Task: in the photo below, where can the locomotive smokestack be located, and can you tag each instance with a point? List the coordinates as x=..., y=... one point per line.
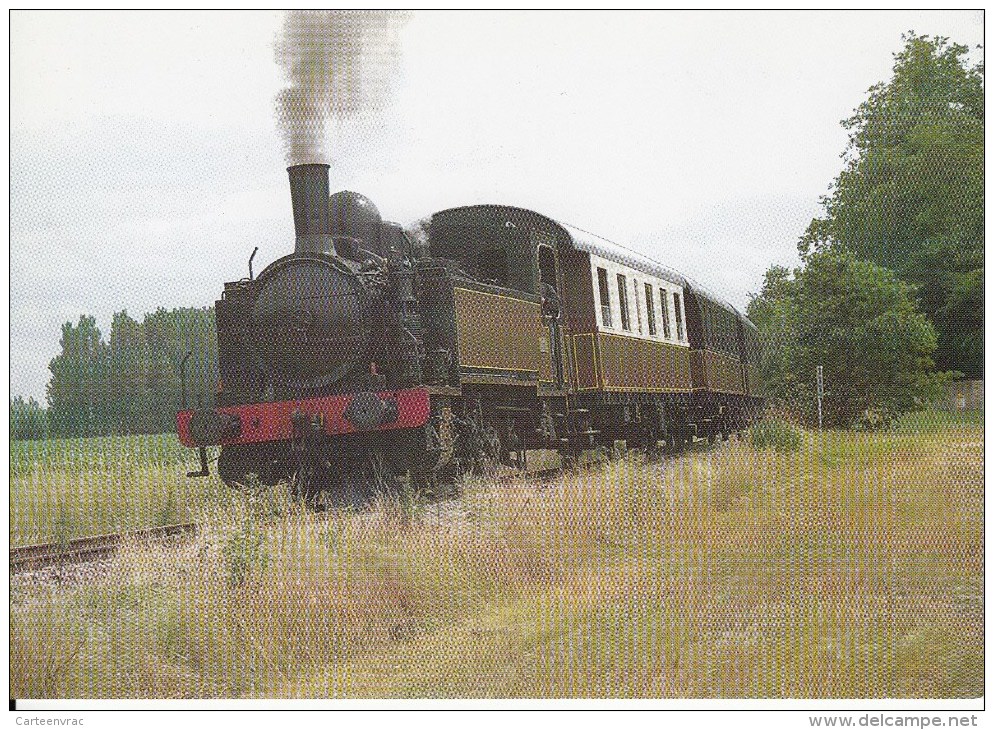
x=311, y=217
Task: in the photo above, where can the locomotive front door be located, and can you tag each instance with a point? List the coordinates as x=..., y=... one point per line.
x=551, y=307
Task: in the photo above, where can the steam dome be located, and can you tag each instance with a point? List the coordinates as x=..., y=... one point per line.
x=354, y=215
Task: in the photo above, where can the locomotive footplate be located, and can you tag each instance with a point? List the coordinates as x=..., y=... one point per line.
x=347, y=413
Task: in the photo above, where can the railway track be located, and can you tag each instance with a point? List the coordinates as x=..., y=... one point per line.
x=100, y=547
x=89, y=549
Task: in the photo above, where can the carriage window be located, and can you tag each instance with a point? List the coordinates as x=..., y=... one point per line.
x=605, y=297
x=626, y=321
x=679, y=316
x=650, y=310
x=638, y=306
x=666, y=313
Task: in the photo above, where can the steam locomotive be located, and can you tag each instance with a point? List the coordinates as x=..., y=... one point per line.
x=367, y=355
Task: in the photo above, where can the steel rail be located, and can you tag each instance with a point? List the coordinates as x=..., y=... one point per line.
x=89, y=549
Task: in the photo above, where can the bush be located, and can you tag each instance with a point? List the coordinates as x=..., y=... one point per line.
x=245, y=553
x=777, y=435
x=28, y=420
x=858, y=322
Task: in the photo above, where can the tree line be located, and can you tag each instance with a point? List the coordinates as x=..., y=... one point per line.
x=889, y=294
x=127, y=383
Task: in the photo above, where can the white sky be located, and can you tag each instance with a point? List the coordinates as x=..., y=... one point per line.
x=146, y=164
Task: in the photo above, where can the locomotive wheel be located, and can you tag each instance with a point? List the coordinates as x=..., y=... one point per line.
x=357, y=482
x=648, y=443
x=426, y=471
x=311, y=482
x=432, y=484
x=570, y=457
x=679, y=441
x=236, y=464
x=491, y=450
x=348, y=482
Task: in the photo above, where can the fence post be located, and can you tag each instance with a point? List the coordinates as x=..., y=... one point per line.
x=819, y=375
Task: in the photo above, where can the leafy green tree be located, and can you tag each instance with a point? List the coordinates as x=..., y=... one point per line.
x=774, y=311
x=77, y=396
x=132, y=383
x=858, y=321
x=911, y=195
x=28, y=420
x=170, y=335
x=128, y=394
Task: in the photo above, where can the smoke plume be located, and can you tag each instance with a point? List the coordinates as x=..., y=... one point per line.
x=338, y=64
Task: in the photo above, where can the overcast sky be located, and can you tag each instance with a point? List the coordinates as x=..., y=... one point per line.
x=146, y=163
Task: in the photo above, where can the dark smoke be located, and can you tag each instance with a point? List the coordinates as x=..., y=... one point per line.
x=338, y=64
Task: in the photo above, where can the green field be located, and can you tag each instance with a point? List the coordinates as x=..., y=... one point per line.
x=852, y=567
x=66, y=488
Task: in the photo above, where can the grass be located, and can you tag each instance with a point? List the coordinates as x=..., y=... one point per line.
x=61, y=489
x=852, y=567
x=101, y=454
x=772, y=433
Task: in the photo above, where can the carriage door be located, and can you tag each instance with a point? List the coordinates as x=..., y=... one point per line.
x=552, y=311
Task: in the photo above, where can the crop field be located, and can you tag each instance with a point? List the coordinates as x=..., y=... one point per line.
x=843, y=565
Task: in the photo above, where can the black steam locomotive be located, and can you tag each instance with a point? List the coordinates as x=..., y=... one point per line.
x=365, y=357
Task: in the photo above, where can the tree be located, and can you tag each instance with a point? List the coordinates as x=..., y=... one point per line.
x=132, y=384
x=911, y=195
x=170, y=335
x=774, y=312
x=28, y=420
x=76, y=396
x=858, y=321
x=128, y=395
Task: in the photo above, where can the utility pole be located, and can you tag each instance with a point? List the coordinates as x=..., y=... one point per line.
x=819, y=374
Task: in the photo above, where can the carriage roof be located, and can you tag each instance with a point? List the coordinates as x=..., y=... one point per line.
x=582, y=240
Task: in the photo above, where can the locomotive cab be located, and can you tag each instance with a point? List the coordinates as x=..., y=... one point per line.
x=507, y=289
x=496, y=245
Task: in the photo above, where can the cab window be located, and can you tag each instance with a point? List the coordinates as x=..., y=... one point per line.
x=665, y=304
x=650, y=310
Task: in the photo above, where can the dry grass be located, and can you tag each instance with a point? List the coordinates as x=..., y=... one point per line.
x=852, y=568
x=67, y=488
